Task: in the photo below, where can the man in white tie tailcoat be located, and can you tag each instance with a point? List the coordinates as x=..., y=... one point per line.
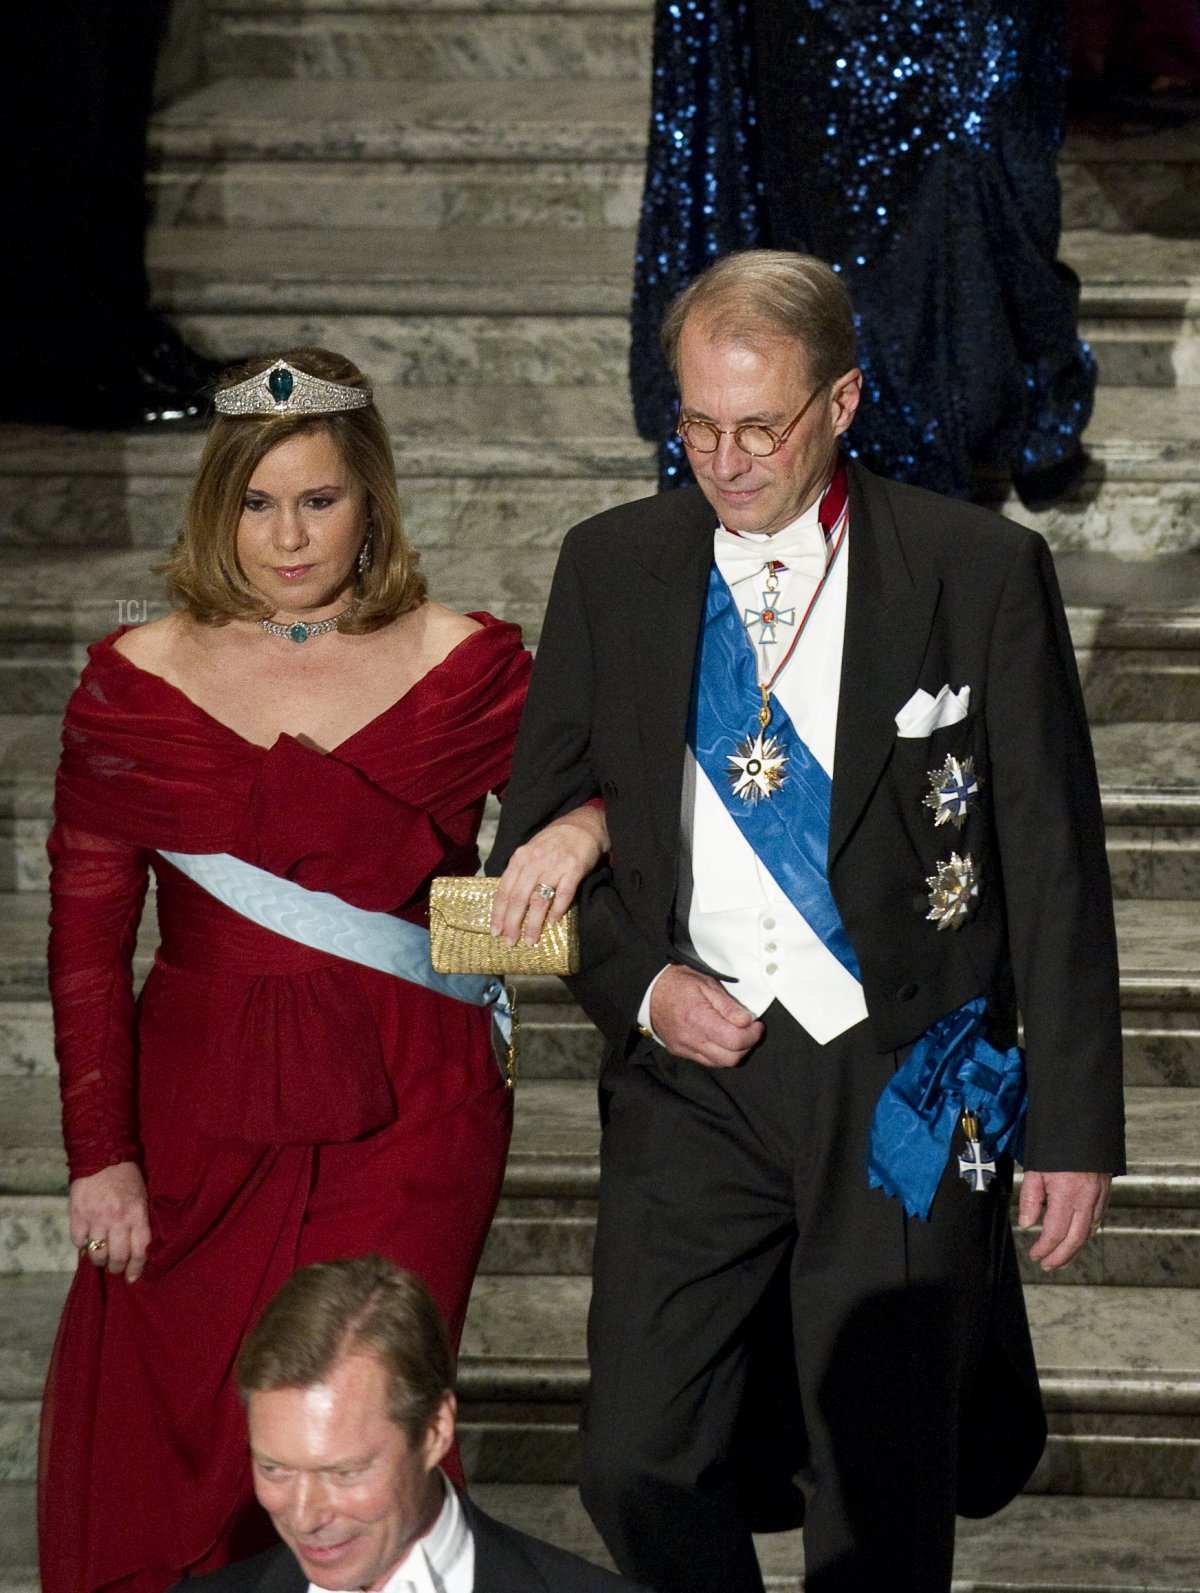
x=347, y=1379
x=855, y=832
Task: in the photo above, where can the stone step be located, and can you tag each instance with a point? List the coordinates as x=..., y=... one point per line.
x=416, y=304
x=1039, y=1544
x=426, y=307
x=1138, y=305
x=1159, y=944
x=546, y=1222
x=515, y=465
x=432, y=41
x=489, y=152
x=1132, y=1376
x=1123, y=1398
x=1150, y=772
x=18, y=1540
x=1162, y=1045
x=1160, y=997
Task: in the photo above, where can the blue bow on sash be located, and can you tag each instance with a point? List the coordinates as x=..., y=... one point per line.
x=952, y=1068
x=790, y=830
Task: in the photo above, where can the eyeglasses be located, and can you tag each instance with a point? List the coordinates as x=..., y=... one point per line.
x=760, y=442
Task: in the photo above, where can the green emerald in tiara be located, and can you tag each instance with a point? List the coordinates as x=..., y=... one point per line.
x=285, y=389
x=281, y=381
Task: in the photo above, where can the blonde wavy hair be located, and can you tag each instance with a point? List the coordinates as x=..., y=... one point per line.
x=203, y=575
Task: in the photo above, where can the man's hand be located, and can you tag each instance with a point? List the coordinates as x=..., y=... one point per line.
x=111, y=1206
x=1074, y=1205
x=696, y=1017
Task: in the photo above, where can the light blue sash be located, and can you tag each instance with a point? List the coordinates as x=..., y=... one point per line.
x=790, y=830
x=327, y=923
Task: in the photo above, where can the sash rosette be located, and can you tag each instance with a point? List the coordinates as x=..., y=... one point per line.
x=951, y=1069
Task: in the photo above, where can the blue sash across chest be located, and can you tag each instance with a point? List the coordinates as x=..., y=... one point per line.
x=789, y=831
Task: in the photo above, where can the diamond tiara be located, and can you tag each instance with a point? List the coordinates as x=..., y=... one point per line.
x=285, y=390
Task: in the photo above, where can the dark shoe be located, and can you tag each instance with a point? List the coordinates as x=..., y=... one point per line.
x=1169, y=107
x=1038, y=489
x=165, y=358
x=125, y=401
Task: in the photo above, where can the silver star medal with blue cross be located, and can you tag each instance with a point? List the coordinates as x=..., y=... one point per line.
x=953, y=791
x=975, y=1166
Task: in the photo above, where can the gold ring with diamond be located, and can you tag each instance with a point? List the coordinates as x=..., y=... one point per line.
x=92, y=1246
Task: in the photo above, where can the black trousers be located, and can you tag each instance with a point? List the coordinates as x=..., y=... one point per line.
x=718, y=1189
x=79, y=78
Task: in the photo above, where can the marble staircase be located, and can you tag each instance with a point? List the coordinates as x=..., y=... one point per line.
x=446, y=189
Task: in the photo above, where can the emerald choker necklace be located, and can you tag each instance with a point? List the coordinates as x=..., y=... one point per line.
x=301, y=630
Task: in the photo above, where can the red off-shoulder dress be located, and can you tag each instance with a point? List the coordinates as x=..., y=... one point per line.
x=285, y=1105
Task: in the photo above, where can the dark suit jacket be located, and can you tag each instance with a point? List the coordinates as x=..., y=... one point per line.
x=506, y=1561
x=939, y=592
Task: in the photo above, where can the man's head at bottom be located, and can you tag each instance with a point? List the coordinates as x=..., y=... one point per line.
x=347, y=1380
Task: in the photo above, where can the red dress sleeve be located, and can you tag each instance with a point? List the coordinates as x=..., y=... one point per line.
x=97, y=889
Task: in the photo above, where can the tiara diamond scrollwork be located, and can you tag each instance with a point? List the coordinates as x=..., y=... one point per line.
x=284, y=389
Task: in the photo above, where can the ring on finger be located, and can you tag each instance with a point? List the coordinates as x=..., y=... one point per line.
x=93, y=1247
x=546, y=892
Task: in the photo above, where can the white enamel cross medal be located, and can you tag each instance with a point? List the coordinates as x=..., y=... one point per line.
x=758, y=764
x=974, y=1167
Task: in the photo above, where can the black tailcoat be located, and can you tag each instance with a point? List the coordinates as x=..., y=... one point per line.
x=939, y=592
x=506, y=1561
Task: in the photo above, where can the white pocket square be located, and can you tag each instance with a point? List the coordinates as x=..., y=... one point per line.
x=923, y=714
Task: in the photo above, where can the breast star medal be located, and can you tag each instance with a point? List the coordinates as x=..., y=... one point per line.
x=757, y=766
x=953, y=791
x=953, y=891
x=975, y=1166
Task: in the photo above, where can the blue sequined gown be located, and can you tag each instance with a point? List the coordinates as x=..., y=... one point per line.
x=914, y=148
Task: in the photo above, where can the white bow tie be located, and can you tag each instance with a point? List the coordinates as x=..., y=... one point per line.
x=801, y=547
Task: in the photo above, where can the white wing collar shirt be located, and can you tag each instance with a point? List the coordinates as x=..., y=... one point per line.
x=443, y=1561
x=740, y=921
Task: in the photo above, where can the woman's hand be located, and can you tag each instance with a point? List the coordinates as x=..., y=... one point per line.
x=111, y=1206
x=555, y=860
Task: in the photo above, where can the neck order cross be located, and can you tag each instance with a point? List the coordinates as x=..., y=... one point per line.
x=837, y=537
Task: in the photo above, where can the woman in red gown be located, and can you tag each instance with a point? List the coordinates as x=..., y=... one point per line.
x=262, y=1105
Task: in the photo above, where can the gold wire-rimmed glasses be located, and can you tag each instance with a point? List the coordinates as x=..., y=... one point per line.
x=753, y=438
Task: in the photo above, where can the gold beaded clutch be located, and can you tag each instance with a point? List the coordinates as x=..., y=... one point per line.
x=460, y=912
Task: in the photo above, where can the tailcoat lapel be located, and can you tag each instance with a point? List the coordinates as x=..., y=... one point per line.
x=888, y=619
x=501, y=1565
x=671, y=601
x=282, y=1573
